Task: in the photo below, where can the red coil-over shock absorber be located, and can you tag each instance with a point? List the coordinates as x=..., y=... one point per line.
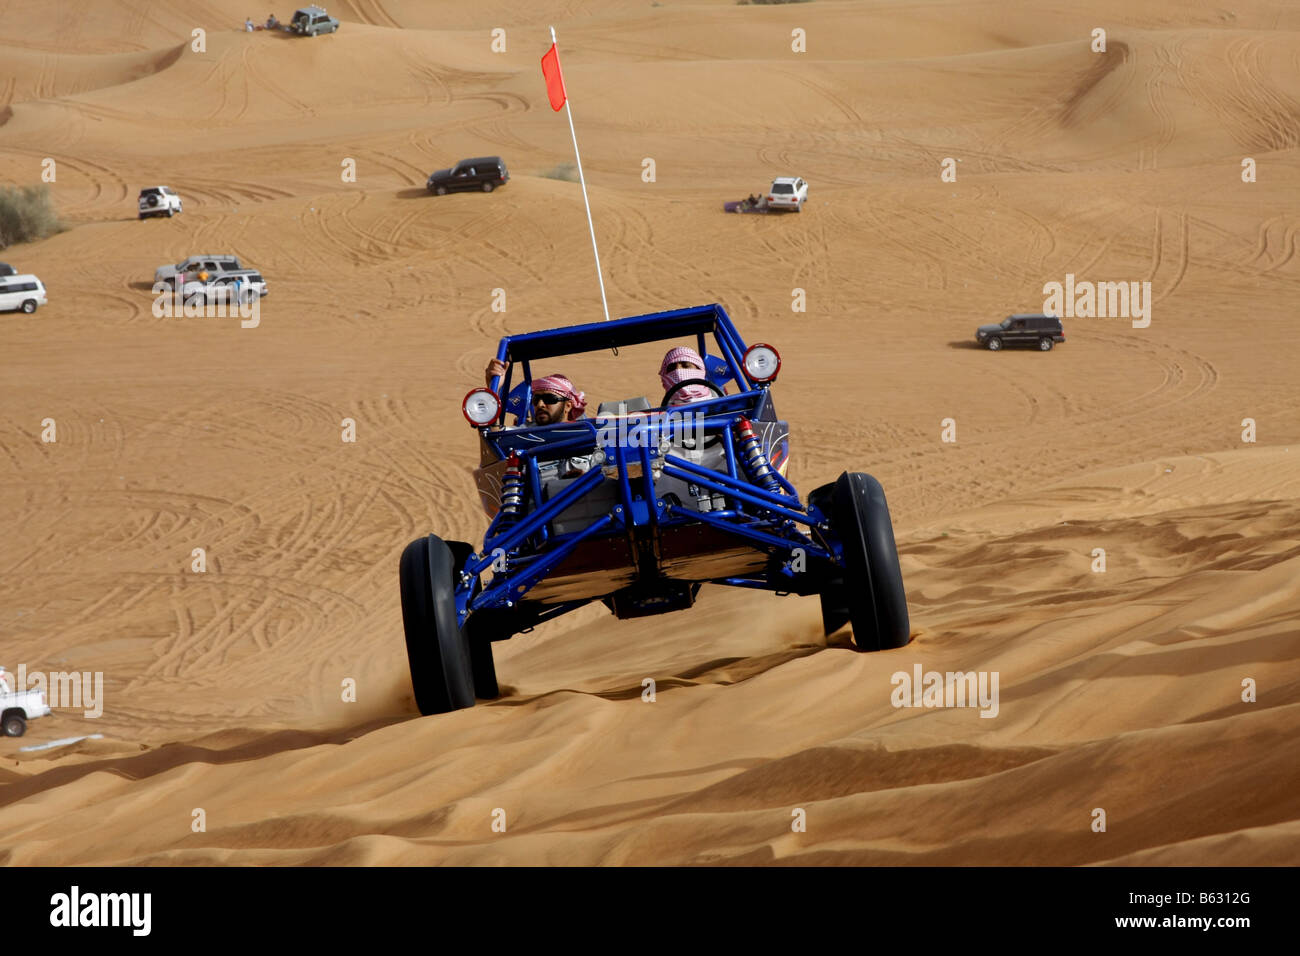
x=512, y=490
x=756, y=463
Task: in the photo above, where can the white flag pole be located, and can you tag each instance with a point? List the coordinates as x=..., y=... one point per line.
x=582, y=179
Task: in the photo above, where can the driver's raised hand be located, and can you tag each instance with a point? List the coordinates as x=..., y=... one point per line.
x=495, y=367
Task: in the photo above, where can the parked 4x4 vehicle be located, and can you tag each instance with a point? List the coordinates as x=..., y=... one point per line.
x=313, y=21
x=209, y=264
x=21, y=292
x=159, y=201
x=248, y=278
x=19, y=706
x=1033, y=330
x=241, y=285
x=485, y=173
x=787, y=192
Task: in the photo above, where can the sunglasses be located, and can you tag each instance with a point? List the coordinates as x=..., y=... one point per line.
x=547, y=398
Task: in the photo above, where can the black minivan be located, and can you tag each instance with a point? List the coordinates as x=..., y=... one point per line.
x=485, y=173
x=1033, y=330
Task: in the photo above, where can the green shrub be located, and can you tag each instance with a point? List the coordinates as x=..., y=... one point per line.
x=26, y=214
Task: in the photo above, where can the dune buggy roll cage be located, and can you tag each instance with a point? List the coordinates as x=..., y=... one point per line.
x=762, y=508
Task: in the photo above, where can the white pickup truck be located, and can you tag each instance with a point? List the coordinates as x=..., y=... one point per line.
x=18, y=707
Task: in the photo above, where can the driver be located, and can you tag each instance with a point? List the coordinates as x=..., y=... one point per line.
x=679, y=365
x=555, y=398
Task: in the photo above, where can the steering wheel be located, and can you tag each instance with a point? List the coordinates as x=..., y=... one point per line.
x=674, y=389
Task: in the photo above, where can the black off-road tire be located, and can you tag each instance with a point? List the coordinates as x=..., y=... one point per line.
x=995, y=343
x=488, y=187
x=876, y=600
x=436, y=647
x=14, y=725
x=1045, y=344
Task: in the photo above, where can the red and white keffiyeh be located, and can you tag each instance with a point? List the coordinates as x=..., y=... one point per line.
x=691, y=393
x=562, y=386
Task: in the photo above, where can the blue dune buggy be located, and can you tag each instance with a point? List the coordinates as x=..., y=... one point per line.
x=637, y=507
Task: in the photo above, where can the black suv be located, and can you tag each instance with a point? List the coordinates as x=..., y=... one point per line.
x=1039, y=331
x=485, y=173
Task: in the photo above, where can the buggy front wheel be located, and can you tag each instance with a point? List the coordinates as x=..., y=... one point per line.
x=436, y=647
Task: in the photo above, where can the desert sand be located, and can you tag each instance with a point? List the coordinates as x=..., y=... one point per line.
x=1120, y=690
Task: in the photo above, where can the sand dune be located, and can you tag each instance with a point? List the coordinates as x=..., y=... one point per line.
x=1120, y=690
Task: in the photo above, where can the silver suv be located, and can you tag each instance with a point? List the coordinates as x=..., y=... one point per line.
x=159, y=201
x=312, y=21
x=209, y=264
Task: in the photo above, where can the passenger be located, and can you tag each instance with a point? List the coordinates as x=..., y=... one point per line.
x=248, y=25
x=271, y=22
x=680, y=365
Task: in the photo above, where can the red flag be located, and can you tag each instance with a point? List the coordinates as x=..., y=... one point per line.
x=554, y=78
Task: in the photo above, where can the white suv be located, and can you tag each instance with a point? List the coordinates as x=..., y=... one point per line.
x=787, y=192
x=21, y=292
x=19, y=706
x=159, y=201
x=232, y=288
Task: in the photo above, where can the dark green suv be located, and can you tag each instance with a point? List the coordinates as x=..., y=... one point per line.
x=1035, y=331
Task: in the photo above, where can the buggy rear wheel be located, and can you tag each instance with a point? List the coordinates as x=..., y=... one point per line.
x=435, y=643
x=877, y=604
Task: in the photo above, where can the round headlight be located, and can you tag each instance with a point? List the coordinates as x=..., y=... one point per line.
x=481, y=407
x=762, y=362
